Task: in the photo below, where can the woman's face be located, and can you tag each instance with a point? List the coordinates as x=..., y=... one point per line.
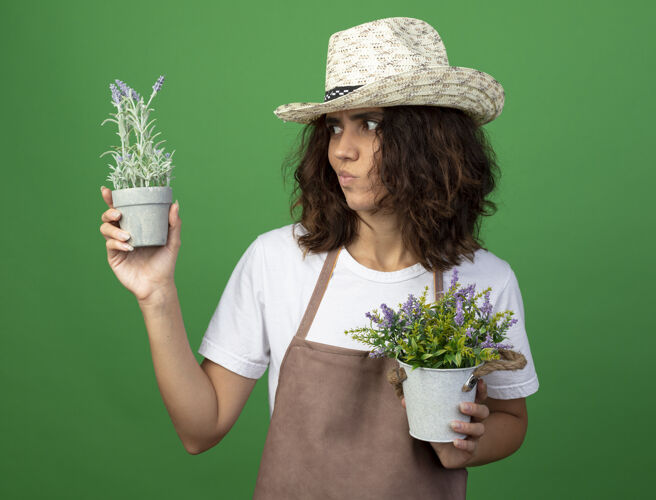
x=351, y=153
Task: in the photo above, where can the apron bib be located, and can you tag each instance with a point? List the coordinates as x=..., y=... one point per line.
x=338, y=430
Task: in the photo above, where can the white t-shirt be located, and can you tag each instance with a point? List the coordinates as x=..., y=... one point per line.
x=265, y=298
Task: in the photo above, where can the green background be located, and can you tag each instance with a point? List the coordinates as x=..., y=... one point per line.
x=82, y=416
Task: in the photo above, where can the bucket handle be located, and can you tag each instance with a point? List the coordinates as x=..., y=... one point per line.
x=510, y=360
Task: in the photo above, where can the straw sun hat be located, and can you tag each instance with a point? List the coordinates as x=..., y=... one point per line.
x=397, y=61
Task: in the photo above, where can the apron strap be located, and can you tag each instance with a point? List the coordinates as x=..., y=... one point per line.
x=437, y=284
x=319, y=290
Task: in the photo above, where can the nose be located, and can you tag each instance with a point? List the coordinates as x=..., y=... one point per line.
x=345, y=144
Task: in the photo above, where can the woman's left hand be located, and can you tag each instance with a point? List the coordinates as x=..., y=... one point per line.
x=458, y=453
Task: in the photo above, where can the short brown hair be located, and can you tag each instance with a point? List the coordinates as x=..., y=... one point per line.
x=437, y=166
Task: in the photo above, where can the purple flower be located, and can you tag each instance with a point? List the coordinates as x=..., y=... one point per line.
x=454, y=279
x=489, y=343
x=167, y=154
x=388, y=320
x=412, y=307
x=459, y=317
x=506, y=324
x=469, y=332
x=116, y=94
x=373, y=318
x=158, y=83
x=467, y=293
x=125, y=90
x=486, y=308
x=379, y=352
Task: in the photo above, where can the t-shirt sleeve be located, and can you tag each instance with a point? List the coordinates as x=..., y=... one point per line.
x=236, y=337
x=511, y=384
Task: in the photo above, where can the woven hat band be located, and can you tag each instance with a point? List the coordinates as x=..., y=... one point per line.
x=336, y=92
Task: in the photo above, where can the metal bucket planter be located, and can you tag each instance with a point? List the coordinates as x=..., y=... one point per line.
x=432, y=400
x=144, y=214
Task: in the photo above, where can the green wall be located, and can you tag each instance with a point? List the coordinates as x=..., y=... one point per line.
x=82, y=416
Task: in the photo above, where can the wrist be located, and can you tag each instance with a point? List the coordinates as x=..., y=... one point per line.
x=442, y=450
x=159, y=296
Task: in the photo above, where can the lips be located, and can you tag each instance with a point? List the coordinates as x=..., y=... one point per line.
x=346, y=179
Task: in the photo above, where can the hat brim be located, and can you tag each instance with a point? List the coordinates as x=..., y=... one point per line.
x=473, y=91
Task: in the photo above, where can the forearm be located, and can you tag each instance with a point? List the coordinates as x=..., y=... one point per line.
x=186, y=390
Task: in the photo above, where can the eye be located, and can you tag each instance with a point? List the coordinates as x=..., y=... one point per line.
x=372, y=121
x=330, y=127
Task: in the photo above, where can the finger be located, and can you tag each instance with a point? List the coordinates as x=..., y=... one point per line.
x=107, y=196
x=465, y=444
x=475, y=429
x=174, y=224
x=481, y=391
x=475, y=410
x=110, y=231
x=174, y=213
x=111, y=215
x=118, y=245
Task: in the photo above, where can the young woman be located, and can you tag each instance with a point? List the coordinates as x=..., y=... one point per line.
x=392, y=176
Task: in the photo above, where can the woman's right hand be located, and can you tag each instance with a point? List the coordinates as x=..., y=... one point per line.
x=144, y=270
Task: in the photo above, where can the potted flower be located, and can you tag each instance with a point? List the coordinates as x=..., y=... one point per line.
x=441, y=348
x=141, y=174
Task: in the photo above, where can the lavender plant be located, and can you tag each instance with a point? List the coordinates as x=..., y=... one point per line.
x=453, y=332
x=141, y=163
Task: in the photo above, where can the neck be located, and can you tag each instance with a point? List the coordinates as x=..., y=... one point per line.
x=380, y=246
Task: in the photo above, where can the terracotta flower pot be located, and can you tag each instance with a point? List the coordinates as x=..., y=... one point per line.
x=432, y=400
x=144, y=214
